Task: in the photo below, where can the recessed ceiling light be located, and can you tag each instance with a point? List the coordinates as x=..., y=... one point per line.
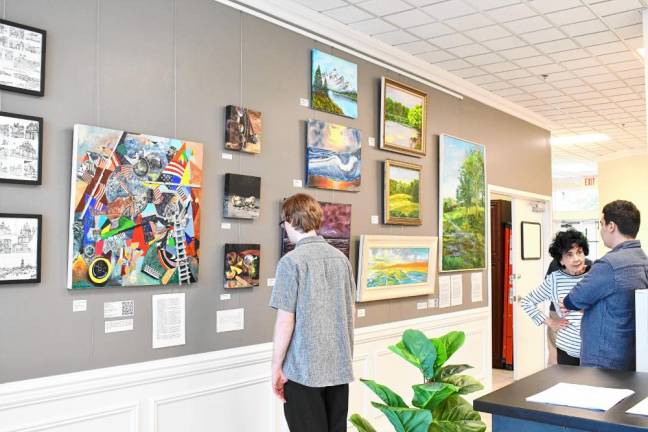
x=579, y=139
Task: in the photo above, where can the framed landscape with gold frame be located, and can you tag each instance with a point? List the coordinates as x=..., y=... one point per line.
x=403, y=118
x=401, y=193
x=396, y=266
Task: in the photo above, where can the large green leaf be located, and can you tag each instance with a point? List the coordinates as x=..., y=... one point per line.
x=442, y=353
x=429, y=396
x=406, y=419
x=361, y=424
x=402, y=351
x=457, y=426
x=455, y=414
x=466, y=383
x=450, y=370
x=385, y=394
x=453, y=341
x=420, y=346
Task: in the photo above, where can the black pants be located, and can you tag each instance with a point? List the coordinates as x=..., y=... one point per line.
x=316, y=409
x=566, y=359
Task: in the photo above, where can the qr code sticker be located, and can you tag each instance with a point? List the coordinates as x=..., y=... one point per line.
x=128, y=308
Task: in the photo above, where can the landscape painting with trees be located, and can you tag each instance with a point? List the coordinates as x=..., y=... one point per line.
x=402, y=200
x=334, y=85
x=462, y=196
x=402, y=119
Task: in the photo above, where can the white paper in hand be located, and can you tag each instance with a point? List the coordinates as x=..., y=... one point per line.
x=581, y=396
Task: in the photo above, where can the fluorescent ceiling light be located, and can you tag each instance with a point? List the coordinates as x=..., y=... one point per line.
x=579, y=139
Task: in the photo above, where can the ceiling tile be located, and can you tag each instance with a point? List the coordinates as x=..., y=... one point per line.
x=534, y=61
x=571, y=16
x=568, y=83
x=553, y=70
x=409, y=18
x=416, y=47
x=556, y=46
x=432, y=30
x=635, y=42
x=500, y=67
x=348, y=14
x=520, y=82
x=527, y=25
x=451, y=40
x=628, y=32
x=421, y=2
x=469, y=22
x=469, y=50
x=617, y=91
x=498, y=85
x=624, y=19
x=521, y=97
x=396, y=37
x=631, y=103
x=533, y=103
x=625, y=65
x=511, y=13
x=448, y=9
x=518, y=73
x=509, y=92
x=597, y=39
x=535, y=88
x=608, y=85
x=593, y=99
x=548, y=94
x=635, y=81
x=632, y=73
x=451, y=65
x=557, y=76
x=578, y=89
x=490, y=4
x=470, y=72
x=580, y=63
x=518, y=53
x=547, y=6
x=484, y=59
x=372, y=26
x=594, y=70
x=617, y=57
x=600, y=78
x=615, y=6
x=322, y=5
x=384, y=7
x=622, y=98
x=488, y=33
x=436, y=56
x=504, y=43
x=483, y=79
x=584, y=27
x=541, y=36
x=573, y=54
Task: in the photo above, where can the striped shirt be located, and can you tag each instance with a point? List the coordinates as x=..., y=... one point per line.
x=554, y=288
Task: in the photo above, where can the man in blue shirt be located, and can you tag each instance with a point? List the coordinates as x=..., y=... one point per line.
x=606, y=294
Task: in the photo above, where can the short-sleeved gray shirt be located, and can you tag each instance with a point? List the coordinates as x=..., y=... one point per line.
x=315, y=282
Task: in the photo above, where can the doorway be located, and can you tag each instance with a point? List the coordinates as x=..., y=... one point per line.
x=520, y=233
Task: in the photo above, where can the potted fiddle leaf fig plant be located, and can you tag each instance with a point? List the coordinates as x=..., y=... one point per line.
x=438, y=405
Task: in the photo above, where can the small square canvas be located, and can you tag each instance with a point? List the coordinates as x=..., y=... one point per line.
x=20, y=239
x=21, y=148
x=335, y=228
x=334, y=84
x=402, y=199
x=333, y=156
x=243, y=129
x=242, y=265
x=242, y=198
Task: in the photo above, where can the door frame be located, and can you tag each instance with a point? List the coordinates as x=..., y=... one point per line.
x=547, y=235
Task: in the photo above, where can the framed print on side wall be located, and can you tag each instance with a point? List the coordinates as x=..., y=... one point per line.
x=403, y=118
x=531, y=240
x=401, y=193
x=462, y=202
x=396, y=266
x=22, y=58
x=20, y=244
x=21, y=148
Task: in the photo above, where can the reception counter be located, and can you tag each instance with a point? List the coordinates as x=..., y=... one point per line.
x=511, y=411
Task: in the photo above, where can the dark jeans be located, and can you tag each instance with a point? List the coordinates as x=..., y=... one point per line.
x=316, y=409
x=566, y=359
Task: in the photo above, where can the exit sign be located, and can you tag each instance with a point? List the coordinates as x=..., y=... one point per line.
x=590, y=181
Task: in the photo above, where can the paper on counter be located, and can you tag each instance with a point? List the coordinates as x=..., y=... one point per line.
x=476, y=287
x=444, y=291
x=581, y=396
x=456, y=282
x=168, y=320
x=641, y=408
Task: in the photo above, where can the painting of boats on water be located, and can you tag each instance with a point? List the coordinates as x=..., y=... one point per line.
x=402, y=118
x=332, y=156
x=334, y=84
x=396, y=266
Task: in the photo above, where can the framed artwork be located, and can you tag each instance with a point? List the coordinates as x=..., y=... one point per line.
x=243, y=129
x=403, y=118
x=334, y=84
x=20, y=244
x=242, y=197
x=333, y=156
x=335, y=228
x=462, y=201
x=242, y=265
x=396, y=266
x=531, y=240
x=22, y=58
x=401, y=193
x=21, y=148
x=135, y=209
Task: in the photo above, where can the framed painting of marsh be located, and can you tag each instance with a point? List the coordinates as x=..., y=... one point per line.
x=401, y=196
x=403, y=118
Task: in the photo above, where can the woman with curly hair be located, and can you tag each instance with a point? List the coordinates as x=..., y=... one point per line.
x=569, y=248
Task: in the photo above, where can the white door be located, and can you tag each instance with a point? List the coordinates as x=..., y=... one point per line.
x=528, y=339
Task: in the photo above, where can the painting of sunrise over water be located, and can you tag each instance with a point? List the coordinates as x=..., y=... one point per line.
x=397, y=266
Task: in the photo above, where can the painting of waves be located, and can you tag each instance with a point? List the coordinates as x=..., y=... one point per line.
x=397, y=266
x=333, y=157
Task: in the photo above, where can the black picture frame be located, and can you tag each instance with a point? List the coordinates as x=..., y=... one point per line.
x=39, y=174
x=41, y=87
x=531, y=238
x=39, y=224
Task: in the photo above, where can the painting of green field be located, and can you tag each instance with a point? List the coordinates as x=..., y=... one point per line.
x=388, y=266
x=402, y=198
x=462, y=210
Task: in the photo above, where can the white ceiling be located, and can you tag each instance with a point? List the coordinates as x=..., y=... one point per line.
x=594, y=79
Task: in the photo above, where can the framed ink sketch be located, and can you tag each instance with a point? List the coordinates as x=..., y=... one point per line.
x=20, y=241
x=21, y=148
x=22, y=58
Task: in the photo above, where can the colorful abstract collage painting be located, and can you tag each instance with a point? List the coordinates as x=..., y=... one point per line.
x=135, y=209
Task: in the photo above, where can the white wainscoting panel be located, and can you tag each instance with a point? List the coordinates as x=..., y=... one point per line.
x=225, y=390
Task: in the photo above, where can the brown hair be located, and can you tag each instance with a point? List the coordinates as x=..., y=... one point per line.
x=303, y=212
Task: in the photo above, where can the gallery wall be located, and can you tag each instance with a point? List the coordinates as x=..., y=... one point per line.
x=169, y=68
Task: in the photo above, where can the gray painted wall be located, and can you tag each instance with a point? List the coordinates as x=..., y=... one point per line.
x=169, y=68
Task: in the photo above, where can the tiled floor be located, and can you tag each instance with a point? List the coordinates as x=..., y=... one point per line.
x=501, y=378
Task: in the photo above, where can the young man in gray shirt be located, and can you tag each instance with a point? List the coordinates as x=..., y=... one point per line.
x=313, y=338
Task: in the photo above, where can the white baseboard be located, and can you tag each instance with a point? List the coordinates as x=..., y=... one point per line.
x=220, y=390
